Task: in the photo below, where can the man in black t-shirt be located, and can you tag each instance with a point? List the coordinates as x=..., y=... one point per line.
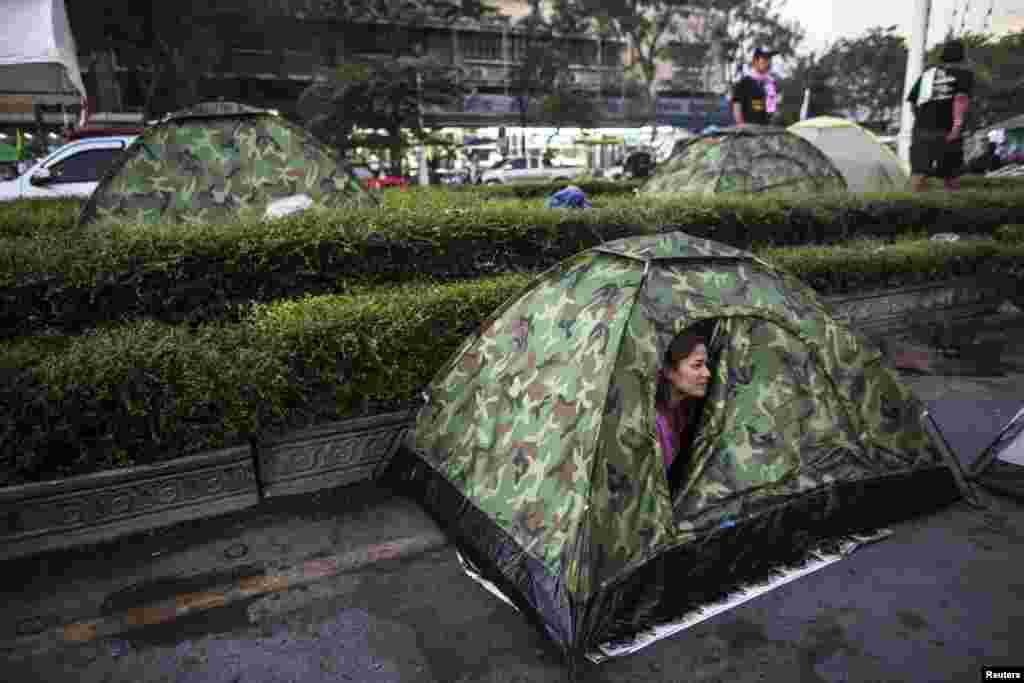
x=940, y=98
x=754, y=96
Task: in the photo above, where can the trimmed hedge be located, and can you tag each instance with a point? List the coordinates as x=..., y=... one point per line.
x=74, y=279
x=147, y=391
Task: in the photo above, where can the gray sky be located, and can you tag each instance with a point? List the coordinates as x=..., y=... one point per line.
x=828, y=20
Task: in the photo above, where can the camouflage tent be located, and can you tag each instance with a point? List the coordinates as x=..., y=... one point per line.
x=536, y=445
x=220, y=160
x=748, y=159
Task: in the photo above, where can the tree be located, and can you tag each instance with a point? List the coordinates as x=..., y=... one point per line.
x=867, y=74
x=648, y=25
x=806, y=73
x=540, y=66
x=377, y=94
x=386, y=91
x=662, y=30
x=727, y=31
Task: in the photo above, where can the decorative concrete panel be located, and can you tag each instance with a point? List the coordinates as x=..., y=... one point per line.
x=333, y=455
x=97, y=507
x=885, y=311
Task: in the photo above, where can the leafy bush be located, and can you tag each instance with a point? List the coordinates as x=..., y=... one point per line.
x=144, y=391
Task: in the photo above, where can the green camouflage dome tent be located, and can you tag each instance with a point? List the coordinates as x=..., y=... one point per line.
x=748, y=159
x=536, y=445
x=222, y=160
x=866, y=164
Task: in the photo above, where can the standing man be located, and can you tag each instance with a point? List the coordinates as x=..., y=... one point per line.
x=754, y=96
x=940, y=98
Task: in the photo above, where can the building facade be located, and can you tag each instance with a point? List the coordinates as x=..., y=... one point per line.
x=266, y=52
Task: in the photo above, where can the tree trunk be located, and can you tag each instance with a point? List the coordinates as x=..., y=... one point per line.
x=108, y=89
x=155, y=74
x=396, y=149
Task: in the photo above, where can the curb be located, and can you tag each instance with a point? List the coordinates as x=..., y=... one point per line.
x=186, y=604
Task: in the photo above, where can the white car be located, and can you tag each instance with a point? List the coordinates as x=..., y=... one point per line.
x=74, y=170
x=528, y=170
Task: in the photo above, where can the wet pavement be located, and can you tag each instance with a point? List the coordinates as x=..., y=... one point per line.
x=935, y=602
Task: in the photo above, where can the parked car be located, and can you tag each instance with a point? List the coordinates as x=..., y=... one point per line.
x=73, y=170
x=528, y=170
x=373, y=181
x=453, y=176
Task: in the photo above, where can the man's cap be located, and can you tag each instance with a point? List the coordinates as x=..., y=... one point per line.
x=764, y=52
x=953, y=51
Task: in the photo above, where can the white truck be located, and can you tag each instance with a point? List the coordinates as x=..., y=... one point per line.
x=74, y=170
x=529, y=170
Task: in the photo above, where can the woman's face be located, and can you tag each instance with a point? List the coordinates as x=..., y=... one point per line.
x=689, y=378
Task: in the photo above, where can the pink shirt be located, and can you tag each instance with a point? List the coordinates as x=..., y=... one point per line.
x=666, y=436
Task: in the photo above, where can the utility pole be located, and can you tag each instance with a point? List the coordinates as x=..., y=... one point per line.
x=915, y=63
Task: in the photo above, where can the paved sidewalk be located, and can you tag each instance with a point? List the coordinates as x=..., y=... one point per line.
x=104, y=590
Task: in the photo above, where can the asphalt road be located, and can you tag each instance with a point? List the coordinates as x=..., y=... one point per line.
x=935, y=602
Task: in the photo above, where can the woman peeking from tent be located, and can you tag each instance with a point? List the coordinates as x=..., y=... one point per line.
x=682, y=382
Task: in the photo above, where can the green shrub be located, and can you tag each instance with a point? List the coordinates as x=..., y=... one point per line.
x=1011, y=233
x=147, y=391
x=72, y=279
x=144, y=391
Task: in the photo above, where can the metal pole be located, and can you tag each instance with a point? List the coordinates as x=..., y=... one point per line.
x=915, y=64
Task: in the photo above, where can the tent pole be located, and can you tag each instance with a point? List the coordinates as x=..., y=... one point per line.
x=951, y=461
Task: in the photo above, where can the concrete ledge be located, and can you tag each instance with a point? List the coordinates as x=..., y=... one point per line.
x=335, y=454
x=883, y=312
x=104, y=505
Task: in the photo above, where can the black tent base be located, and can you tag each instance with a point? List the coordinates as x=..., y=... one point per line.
x=757, y=549
x=1003, y=478
x=679, y=581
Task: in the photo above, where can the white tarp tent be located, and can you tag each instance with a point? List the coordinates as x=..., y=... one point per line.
x=38, y=60
x=866, y=164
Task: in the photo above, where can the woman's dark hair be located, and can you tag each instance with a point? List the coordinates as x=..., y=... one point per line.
x=681, y=347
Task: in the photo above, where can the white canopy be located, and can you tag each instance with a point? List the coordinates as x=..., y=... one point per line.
x=38, y=59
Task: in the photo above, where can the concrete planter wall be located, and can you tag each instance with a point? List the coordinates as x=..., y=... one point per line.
x=59, y=514
x=104, y=505
x=885, y=312
x=331, y=455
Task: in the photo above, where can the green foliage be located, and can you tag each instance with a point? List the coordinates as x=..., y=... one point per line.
x=1011, y=233
x=37, y=218
x=740, y=25
x=144, y=391
x=866, y=74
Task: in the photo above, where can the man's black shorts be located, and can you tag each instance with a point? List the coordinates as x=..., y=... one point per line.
x=931, y=155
